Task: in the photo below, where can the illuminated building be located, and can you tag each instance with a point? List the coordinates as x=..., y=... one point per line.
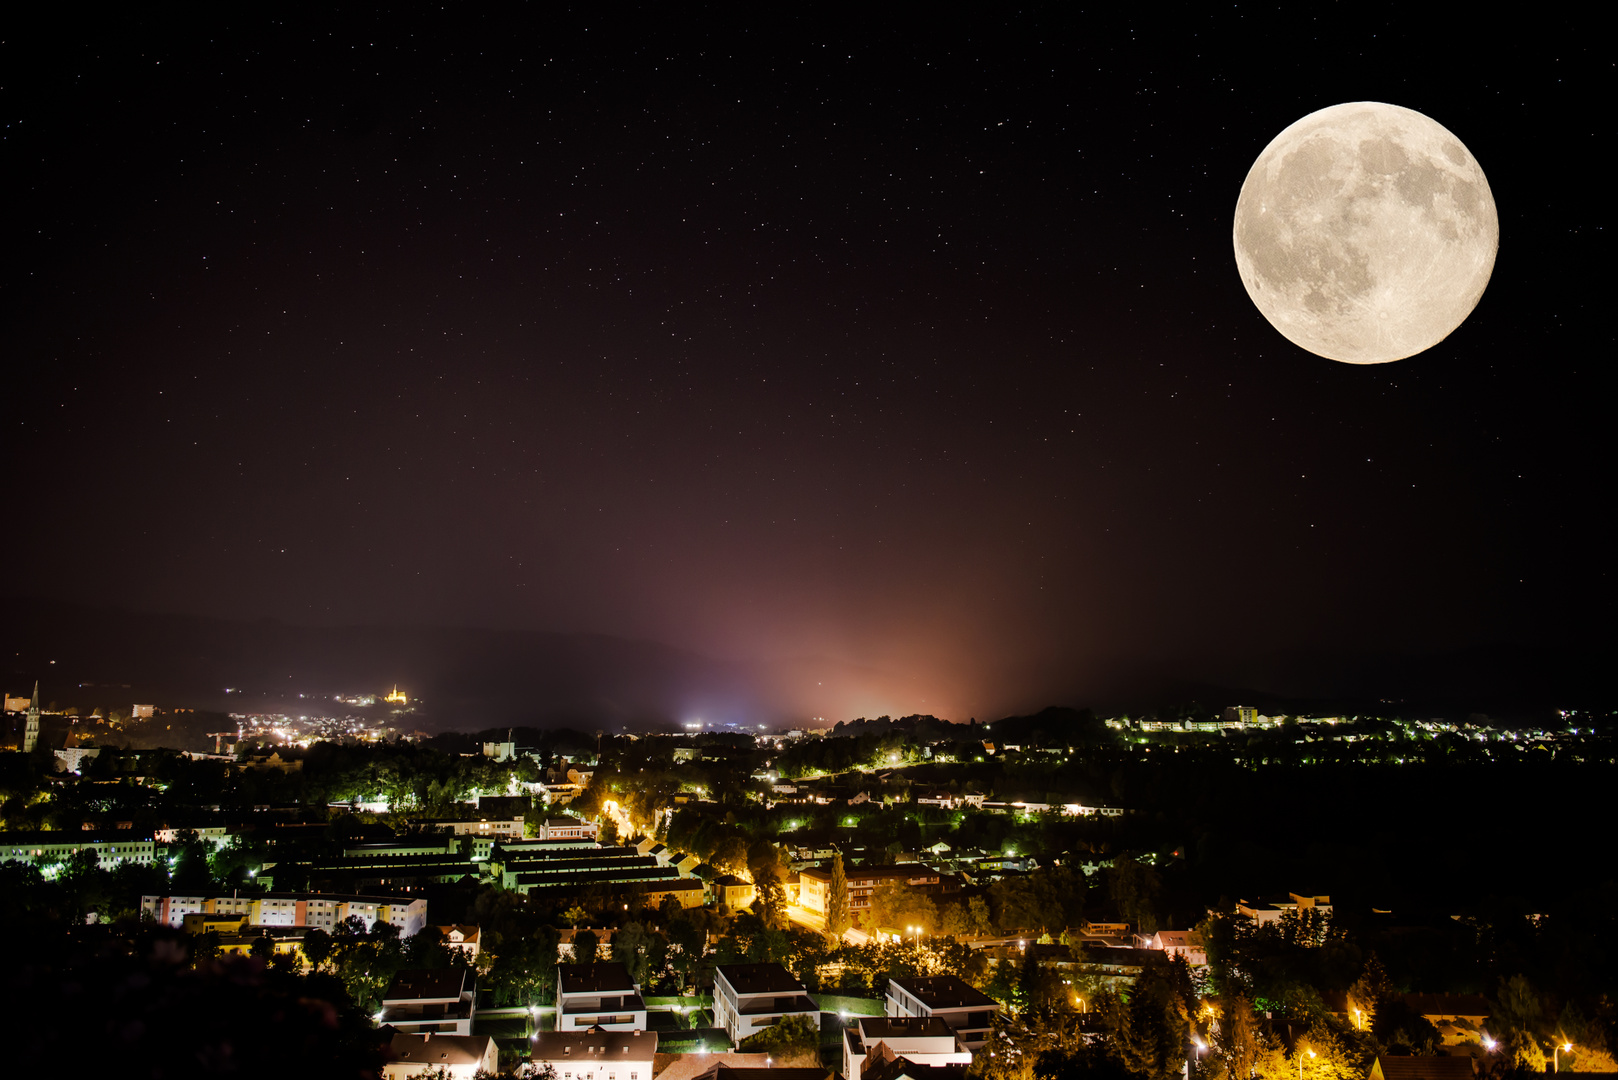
x=750, y=997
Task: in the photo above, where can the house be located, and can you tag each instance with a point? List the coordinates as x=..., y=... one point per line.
x=47, y=849
x=881, y=1065
x=685, y=864
x=326, y=911
x=217, y=835
x=271, y=762
x=1115, y=968
x=1459, y=1018
x=1268, y=911
x=485, y=828
x=750, y=997
x=462, y=938
x=722, y=1071
x=690, y=1066
x=1427, y=1067
x=863, y=881
x=596, y=1054
x=967, y=1010
x=459, y=1056
x=567, y=828
x=1185, y=944
x=924, y=1040
x=598, y=995
x=1105, y=929
x=238, y=938
x=733, y=892
x=688, y=892
x=439, y=1001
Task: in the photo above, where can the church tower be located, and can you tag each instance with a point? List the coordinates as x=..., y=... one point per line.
x=30, y=738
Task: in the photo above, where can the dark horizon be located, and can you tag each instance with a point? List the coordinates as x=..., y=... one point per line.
x=827, y=369
x=473, y=679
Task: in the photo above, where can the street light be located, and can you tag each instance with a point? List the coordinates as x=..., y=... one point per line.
x=1300, y=1064
x=1556, y=1052
x=1489, y=1044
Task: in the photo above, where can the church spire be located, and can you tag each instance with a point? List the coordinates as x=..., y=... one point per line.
x=30, y=738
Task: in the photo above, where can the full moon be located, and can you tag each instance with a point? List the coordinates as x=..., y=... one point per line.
x=1366, y=233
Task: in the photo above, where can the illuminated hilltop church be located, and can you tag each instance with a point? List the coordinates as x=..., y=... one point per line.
x=396, y=698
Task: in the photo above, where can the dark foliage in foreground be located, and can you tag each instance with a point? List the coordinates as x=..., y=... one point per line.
x=139, y=1009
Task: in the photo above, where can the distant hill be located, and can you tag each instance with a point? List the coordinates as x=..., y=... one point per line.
x=471, y=678
x=466, y=677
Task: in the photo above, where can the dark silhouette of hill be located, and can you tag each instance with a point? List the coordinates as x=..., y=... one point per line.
x=471, y=678
x=464, y=677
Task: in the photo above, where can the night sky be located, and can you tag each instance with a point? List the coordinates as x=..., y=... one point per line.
x=913, y=345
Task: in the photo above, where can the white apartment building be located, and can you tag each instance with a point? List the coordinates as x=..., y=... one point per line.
x=323, y=910
x=598, y=995
x=747, y=998
x=967, y=1010
x=921, y=1040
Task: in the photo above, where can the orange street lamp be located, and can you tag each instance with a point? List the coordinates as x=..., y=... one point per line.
x=1300, y=1064
x=1556, y=1051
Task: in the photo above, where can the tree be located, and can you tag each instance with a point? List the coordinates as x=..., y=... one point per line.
x=687, y=943
x=769, y=901
x=426, y=949
x=1135, y=888
x=1150, y=1030
x=1519, y=1016
x=978, y=922
x=730, y=855
x=586, y=947
x=1015, y=906
x=632, y=947
x=897, y=906
x=792, y=1042
x=769, y=868
x=1321, y=1054
x=837, y=917
x=1237, y=1039
x=1368, y=993
x=316, y=947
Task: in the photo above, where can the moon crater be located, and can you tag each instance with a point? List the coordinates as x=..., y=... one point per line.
x=1366, y=233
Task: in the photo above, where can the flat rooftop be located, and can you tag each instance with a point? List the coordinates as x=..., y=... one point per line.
x=599, y=978
x=436, y=984
x=945, y=992
x=760, y=979
x=875, y=1028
